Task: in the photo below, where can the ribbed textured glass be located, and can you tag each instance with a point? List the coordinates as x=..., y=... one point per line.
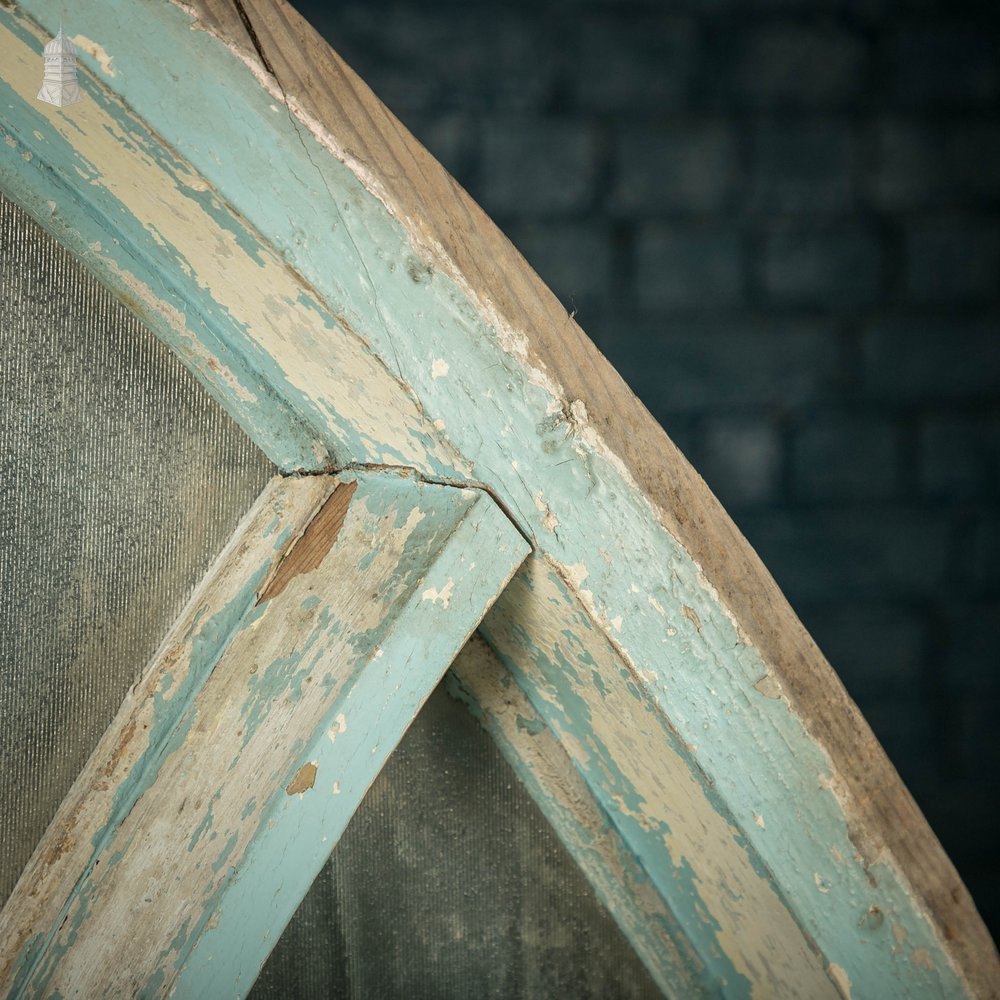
x=120, y=480
x=449, y=884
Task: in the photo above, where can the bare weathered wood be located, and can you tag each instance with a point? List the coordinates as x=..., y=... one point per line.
x=232, y=769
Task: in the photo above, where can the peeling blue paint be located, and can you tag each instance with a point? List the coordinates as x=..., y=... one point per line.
x=660, y=940
x=532, y=726
x=412, y=646
x=204, y=827
x=423, y=534
x=170, y=723
x=217, y=865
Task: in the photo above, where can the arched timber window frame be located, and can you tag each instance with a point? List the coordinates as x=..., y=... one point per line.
x=232, y=181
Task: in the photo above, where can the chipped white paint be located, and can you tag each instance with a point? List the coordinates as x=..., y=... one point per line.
x=96, y=52
x=439, y=368
x=576, y=574
x=842, y=980
x=442, y=596
x=549, y=520
x=340, y=723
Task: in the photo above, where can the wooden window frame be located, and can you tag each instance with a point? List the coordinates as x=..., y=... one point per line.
x=335, y=290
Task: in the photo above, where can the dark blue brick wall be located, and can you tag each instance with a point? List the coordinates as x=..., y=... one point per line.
x=779, y=220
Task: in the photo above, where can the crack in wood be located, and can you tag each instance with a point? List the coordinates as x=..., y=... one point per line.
x=415, y=473
x=248, y=24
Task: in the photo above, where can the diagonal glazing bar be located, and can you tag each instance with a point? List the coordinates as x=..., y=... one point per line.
x=234, y=766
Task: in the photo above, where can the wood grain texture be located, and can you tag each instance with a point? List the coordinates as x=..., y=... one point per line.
x=228, y=776
x=885, y=822
x=309, y=550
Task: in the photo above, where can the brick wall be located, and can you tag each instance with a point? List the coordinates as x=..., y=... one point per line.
x=779, y=220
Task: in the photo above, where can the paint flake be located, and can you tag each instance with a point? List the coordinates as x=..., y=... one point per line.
x=439, y=368
x=339, y=726
x=840, y=980
x=305, y=778
x=769, y=687
x=96, y=52
x=443, y=595
x=692, y=616
x=577, y=574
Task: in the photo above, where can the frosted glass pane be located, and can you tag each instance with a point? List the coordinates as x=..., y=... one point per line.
x=120, y=479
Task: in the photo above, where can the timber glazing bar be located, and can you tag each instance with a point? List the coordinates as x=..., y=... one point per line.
x=231, y=771
x=586, y=829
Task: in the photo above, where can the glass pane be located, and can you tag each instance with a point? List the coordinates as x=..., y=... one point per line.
x=450, y=884
x=120, y=479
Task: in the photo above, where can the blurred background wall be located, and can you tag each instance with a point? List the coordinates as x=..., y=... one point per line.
x=778, y=219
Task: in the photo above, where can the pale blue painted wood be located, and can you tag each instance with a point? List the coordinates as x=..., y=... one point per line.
x=478, y=679
x=472, y=408
x=264, y=719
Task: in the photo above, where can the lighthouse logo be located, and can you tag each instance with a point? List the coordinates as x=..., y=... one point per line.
x=59, y=86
